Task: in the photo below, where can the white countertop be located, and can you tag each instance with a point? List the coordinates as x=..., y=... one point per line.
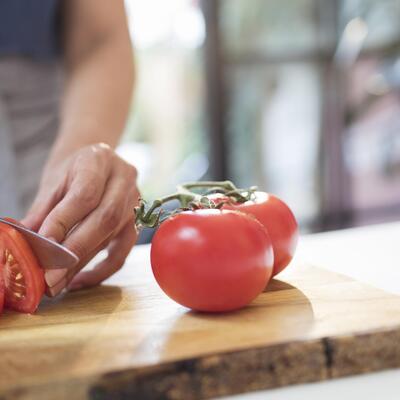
x=368, y=254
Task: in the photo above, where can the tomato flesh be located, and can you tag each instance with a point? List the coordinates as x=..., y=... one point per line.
x=21, y=274
x=1, y=292
x=278, y=220
x=212, y=260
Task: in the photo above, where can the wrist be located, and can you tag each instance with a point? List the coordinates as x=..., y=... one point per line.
x=67, y=144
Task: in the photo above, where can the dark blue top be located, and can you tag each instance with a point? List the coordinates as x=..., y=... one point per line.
x=30, y=28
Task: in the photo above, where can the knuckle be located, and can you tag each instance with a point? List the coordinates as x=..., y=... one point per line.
x=87, y=195
x=78, y=248
x=131, y=178
x=59, y=228
x=81, y=157
x=110, y=217
x=103, y=150
x=132, y=172
x=93, y=154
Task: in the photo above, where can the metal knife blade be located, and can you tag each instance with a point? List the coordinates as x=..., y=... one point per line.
x=50, y=255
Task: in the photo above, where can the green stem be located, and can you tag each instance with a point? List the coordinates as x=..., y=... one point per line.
x=189, y=199
x=227, y=185
x=151, y=219
x=159, y=202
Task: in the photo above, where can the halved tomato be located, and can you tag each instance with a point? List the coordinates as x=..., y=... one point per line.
x=23, y=278
x=1, y=293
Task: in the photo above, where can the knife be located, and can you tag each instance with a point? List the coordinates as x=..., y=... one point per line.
x=50, y=255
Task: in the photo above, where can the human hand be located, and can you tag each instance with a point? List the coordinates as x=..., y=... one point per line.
x=86, y=203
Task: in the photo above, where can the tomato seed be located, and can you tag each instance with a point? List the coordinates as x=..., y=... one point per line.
x=5, y=258
x=14, y=279
x=10, y=259
x=18, y=277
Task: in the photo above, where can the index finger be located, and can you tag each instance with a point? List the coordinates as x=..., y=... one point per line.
x=82, y=197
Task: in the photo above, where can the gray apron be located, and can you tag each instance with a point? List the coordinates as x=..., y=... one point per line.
x=30, y=93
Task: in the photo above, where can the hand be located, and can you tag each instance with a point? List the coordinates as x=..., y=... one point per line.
x=87, y=203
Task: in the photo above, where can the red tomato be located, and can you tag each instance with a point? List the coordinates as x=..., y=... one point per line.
x=212, y=260
x=1, y=292
x=277, y=218
x=23, y=278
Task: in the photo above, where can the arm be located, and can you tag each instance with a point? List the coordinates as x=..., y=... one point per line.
x=99, y=63
x=87, y=193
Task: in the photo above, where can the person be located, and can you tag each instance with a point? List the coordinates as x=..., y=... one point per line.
x=66, y=81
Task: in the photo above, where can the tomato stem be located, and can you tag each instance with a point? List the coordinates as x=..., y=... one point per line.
x=150, y=217
x=189, y=200
x=224, y=185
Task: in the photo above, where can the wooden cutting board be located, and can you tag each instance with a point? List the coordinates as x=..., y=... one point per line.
x=127, y=340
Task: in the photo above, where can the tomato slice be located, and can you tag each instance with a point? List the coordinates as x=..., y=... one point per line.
x=23, y=278
x=1, y=292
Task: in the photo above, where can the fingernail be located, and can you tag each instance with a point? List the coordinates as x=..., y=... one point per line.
x=55, y=290
x=54, y=276
x=74, y=286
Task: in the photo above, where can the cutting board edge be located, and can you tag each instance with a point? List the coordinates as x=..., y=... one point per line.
x=232, y=372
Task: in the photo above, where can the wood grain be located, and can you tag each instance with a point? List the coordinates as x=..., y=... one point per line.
x=128, y=340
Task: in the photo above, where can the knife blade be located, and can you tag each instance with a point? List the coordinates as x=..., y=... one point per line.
x=51, y=255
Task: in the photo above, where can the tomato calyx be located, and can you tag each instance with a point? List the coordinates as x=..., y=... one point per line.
x=192, y=196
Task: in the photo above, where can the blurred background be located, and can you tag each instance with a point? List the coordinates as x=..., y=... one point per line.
x=299, y=97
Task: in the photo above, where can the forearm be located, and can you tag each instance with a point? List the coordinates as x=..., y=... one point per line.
x=87, y=195
x=97, y=97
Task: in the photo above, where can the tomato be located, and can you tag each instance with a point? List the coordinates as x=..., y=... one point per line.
x=212, y=260
x=277, y=218
x=23, y=278
x=1, y=292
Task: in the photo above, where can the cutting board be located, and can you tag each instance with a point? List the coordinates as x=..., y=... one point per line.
x=127, y=340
